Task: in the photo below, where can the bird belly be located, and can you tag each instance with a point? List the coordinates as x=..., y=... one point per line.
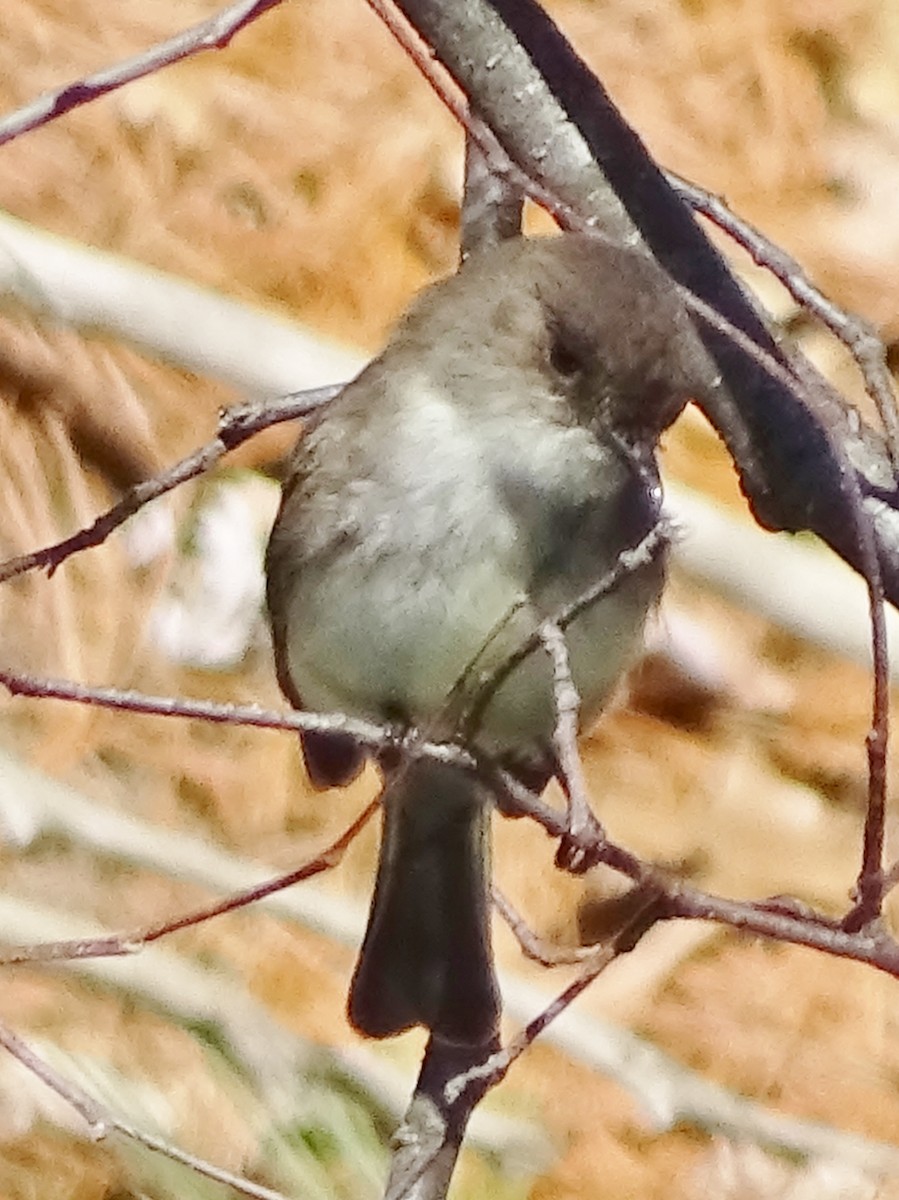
x=414, y=640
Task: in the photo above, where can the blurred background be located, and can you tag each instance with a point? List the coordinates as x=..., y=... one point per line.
x=307, y=171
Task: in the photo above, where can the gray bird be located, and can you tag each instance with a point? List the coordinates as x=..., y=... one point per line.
x=481, y=473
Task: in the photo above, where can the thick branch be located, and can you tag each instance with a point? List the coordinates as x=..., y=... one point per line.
x=557, y=124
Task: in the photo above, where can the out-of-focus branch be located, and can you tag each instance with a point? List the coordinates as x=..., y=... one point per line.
x=102, y=1121
x=671, y=1095
x=256, y=352
x=794, y=582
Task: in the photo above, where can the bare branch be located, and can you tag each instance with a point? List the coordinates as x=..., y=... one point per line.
x=211, y=34
x=430, y=1137
x=873, y=946
x=584, y=830
x=558, y=126
x=365, y=732
x=800, y=926
x=532, y=946
x=236, y=426
x=650, y=546
x=557, y=131
x=487, y=1073
x=122, y=944
x=795, y=583
x=856, y=335
x=101, y=1122
x=97, y=1121
x=869, y=885
x=491, y=204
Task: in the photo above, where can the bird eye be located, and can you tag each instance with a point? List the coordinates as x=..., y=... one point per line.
x=563, y=359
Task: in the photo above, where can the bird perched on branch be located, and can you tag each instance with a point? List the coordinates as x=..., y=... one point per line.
x=481, y=473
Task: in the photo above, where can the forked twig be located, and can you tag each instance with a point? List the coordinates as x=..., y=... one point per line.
x=856, y=335
x=492, y=1070
x=821, y=932
x=532, y=946
x=236, y=426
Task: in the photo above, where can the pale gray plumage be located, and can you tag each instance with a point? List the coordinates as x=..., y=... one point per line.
x=482, y=472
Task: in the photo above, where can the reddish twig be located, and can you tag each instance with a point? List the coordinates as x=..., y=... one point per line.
x=124, y=944
x=868, y=945
x=486, y=1074
x=795, y=924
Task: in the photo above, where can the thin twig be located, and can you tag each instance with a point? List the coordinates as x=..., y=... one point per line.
x=816, y=930
x=856, y=335
x=491, y=1071
x=131, y=943
x=491, y=205
x=584, y=830
x=532, y=946
x=212, y=34
x=377, y=737
x=873, y=946
x=650, y=546
x=236, y=426
x=102, y=1122
x=870, y=884
x=495, y=1069
x=96, y=1119
x=495, y=157
x=869, y=888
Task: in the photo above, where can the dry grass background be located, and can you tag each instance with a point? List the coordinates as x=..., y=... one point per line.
x=308, y=169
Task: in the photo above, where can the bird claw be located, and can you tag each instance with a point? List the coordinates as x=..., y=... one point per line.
x=581, y=845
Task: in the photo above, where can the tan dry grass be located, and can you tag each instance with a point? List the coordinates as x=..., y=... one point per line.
x=307, y=168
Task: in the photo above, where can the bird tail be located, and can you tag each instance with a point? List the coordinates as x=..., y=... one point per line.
x=426, y=958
